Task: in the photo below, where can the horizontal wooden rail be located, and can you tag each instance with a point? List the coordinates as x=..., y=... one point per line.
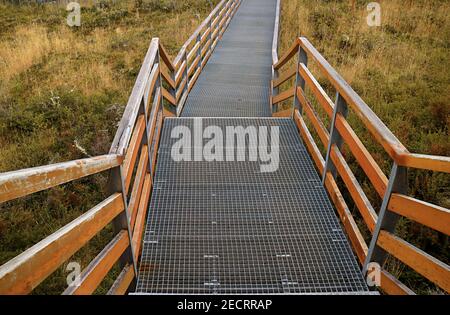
x=132, y=151
x=353, y=232
x=123, y=281
x=283, y=77
x=23, y=273
x=359, y=197
x=428, y=266
x=123, y=134
x=426, y=162
x=376, y=127
x=313, y=117
x=97, y=270
x=24, y=182
x=283, y=95
x=136, y=192
x=435, y=217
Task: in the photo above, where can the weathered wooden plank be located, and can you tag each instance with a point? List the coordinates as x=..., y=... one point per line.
x=391, y=285
x=97, y=270
x=138, y=182
x=169, y=97
x=310, y=144
x=141, y=216
x=168, y=78
x=133, y=149
x=193, y=37
x=206, y=48
x=283, y=95
x=165, y=57
x=23, y=273
x=426, y=162
x=194, y=79
x=193, y=66
x=291, y=52
x=377, y=128
x=313, y=117
x=362, y=155
x=359, y=197
x=286, y=75
x=154, y=75
x=180, y=73
x=425, y=264
x=350, y=226
x=180, y=91
x=431, y=215
x=123, y=281
x=193, y=51
x=283, y=113
x=157, y=138
x=320, y=94
x=123, y=134
x=20, y=183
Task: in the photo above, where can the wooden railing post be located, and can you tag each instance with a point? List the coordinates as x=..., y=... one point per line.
x=116, y=183
x=299, y=80
x=340, y=107
x=387, y=220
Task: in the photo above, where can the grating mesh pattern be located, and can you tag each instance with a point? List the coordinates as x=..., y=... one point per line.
x=236, y=80
x=227, y=228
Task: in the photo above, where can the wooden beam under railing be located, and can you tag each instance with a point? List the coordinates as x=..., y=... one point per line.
x=373, y=123
x=24, y=272
x=20, y=183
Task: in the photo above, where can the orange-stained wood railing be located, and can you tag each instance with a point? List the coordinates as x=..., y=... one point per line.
x=131, y=163
x=392, y=190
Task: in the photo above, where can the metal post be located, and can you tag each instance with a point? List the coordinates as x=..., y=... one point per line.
x=387, y=220
x=199, y=51
x=340, y=107
x=275, y=90
x=299, y=81
x=210, y=34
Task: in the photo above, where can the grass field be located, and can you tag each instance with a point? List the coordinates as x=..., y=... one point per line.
x=401, y=70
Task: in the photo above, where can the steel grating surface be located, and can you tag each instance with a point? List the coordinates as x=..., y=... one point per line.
x=236, y=80
x=227, y=228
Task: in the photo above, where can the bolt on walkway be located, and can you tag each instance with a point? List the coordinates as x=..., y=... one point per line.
x=226, y=227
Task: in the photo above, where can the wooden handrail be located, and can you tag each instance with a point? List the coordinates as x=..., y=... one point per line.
x=20, y=183
x=433, y=216
x=376, y=127
x=425, y=162
x=96, y=271
x=23, y=273
x=129, y=116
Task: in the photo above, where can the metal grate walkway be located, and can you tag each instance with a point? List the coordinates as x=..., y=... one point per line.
x=236, y=80
x=226, y=227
